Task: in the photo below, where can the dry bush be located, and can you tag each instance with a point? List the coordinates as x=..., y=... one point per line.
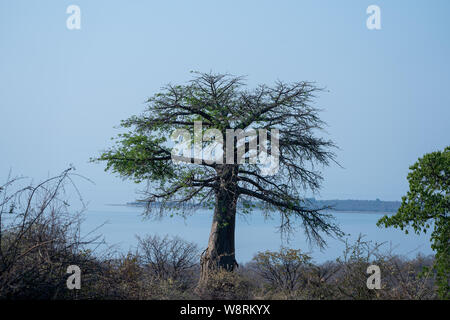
x=226, y=285
x=162, y=268
x=287, y=274
x=318, y=284
x=408, y=279
x=169, y=259
x=290, y=274
x=351, y=276
x=284, y=269
x=400, y=278
x=39, y=239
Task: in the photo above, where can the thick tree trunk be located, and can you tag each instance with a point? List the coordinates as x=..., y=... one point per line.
x=221, y=248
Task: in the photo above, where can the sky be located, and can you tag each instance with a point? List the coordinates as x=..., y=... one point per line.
x=63, y=92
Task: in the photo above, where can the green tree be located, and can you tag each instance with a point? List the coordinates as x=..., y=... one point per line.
x=221, y=103
x=428, y=202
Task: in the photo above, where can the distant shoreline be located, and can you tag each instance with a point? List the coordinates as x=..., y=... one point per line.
x=366, y=206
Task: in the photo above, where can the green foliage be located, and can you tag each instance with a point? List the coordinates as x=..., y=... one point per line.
x=129, y=158
x=143, y=154
x=427, y=203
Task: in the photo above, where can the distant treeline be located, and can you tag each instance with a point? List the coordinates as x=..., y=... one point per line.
x=335, y=205
x=357, y=205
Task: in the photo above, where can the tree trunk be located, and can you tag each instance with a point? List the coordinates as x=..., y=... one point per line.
x=220, y=253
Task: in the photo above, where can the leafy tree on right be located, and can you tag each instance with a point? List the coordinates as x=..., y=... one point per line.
x=428, y=202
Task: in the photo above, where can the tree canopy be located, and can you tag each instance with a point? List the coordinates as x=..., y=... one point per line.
x=427, y=203
x=222, y=103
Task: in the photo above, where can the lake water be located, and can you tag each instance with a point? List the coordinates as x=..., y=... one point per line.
x=253, y=233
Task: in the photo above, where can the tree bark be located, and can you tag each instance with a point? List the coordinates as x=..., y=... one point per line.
x=220, y=253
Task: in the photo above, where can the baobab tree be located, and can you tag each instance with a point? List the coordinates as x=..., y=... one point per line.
x=222, y=104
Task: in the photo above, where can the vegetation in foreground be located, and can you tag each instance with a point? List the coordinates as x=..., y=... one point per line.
x=39, y=239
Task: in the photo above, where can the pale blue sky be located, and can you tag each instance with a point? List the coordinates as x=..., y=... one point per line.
x=63, y=91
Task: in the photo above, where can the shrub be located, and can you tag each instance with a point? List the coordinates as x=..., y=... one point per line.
x=39, y=239
x=226, y=285
x=169, y=259
x=284, y=269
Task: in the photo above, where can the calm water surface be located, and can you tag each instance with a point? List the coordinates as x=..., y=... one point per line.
x=253, y=233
